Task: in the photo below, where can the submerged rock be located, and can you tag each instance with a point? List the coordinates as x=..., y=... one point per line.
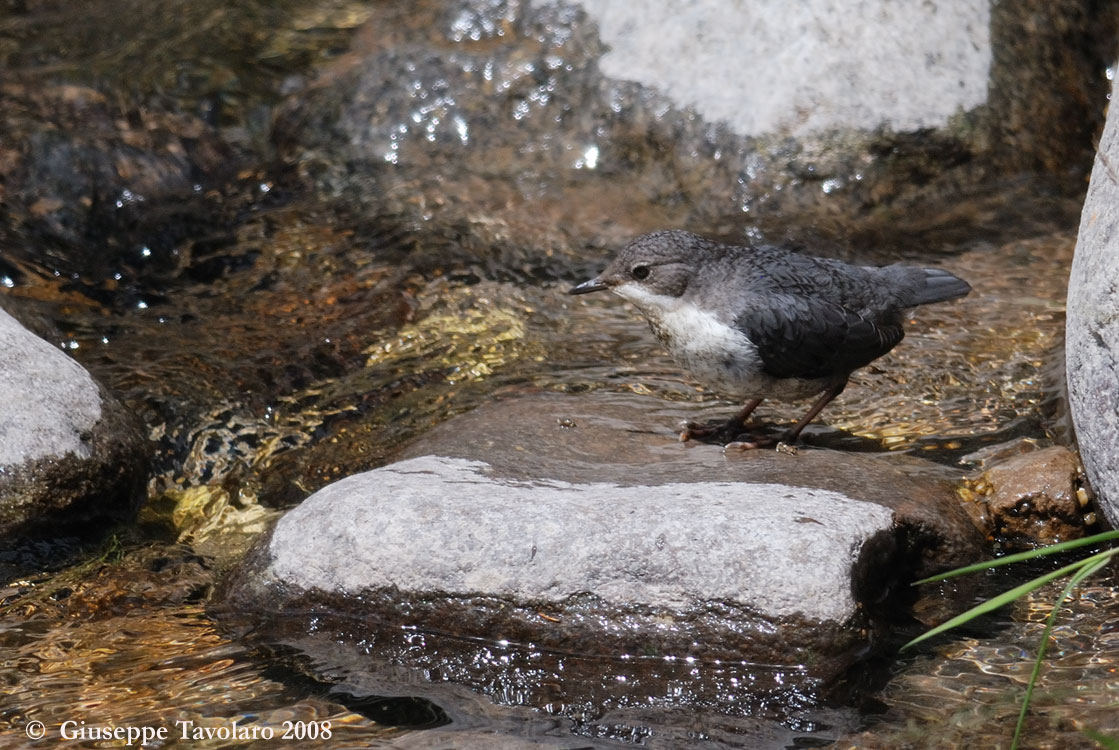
x=549, y=523
x=69, y=453
x=1092, y=327
x=106, y=189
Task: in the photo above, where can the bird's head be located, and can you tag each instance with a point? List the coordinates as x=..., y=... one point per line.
x=652, y=269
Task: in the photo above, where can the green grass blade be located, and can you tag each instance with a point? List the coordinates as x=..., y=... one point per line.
x=1106, y=741
x=1074, y=581
x=1008, y=596
x=1052, y=549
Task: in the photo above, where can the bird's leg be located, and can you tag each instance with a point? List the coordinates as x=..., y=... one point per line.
x=747, y=410
x=825, y=398
x=793, y=433
x=728, y=430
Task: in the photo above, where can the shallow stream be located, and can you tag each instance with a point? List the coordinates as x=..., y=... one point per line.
x=273, y=344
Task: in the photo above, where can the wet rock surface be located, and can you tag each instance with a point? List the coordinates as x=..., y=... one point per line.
x=589, y=528
x=280, y=328
x=1093, y=326
x=1035, y=498
x=632, y=441
x=69, y=452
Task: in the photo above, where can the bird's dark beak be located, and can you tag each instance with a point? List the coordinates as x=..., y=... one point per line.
x=594, y=285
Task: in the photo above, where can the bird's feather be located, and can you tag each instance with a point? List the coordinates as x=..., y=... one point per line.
x=805, y=337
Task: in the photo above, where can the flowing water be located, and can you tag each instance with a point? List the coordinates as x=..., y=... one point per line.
x=276, y=344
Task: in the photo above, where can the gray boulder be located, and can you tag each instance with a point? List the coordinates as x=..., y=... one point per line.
x=451, y=525
x=69, y=453
x=803, y=68
x=1092, y=325
x=547, y=523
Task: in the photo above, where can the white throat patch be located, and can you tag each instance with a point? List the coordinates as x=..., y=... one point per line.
x=647, y=301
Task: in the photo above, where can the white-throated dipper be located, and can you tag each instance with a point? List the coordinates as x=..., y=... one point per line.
x=759, y=322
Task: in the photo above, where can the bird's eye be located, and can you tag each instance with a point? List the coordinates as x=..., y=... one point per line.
x=640, y=272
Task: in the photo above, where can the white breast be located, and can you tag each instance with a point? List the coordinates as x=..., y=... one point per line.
x=715, y=353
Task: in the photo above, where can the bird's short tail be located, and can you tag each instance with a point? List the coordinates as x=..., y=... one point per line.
x=928, y=285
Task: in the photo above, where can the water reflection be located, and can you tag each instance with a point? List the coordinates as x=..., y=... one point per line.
x=274, y=342
x=970, y=690
x=119, y=643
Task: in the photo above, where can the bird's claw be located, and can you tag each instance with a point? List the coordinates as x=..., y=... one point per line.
x=755, y=442
x=714, y=432
x=698, y=431
x=761, y=441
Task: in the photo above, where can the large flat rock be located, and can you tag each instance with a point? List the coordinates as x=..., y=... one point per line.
x=632, y=441
x=447, y=524
x=549, y=526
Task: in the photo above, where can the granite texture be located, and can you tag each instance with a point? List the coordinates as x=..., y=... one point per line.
x=1092, y=325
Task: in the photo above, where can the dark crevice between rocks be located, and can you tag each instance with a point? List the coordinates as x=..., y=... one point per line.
x=1047, y=46
x=921, y=552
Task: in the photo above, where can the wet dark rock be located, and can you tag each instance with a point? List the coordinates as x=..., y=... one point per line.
x=1032, y=499
x=107, y=188
x=1039, y=44
x=582, y=525
x=70, y=454
x=114, y=583
x=1092, y=327
x=132, y=135
x=513, y=137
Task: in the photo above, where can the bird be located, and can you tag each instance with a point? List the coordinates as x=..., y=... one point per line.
x=765, y=321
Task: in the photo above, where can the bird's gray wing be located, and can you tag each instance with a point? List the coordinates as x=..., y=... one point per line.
x=805, y=337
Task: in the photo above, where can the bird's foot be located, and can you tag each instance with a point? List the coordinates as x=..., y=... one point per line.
x=753, y=442
x=711, y=432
